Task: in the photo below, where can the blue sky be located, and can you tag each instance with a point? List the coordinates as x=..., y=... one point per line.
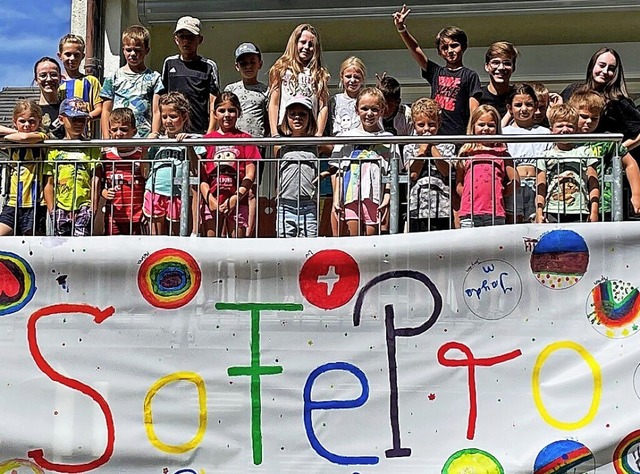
x=29, y=30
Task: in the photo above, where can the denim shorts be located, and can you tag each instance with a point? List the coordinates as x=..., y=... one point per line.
x=297, y=219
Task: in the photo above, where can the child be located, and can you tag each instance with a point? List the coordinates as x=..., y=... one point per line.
x=522, y=105
x=162, y=196
x=500, y=64
x=397, y=119
x=429, y=197
x=360, y=198
x=567, y=178
x=77, y=84
x=343, y=117
x=123, y=183
x=253, y=100
x=590, y=105
x=455, y=88
x=192, y=75
x=342, y=106
x=251, y=92
x=134, y=85
x=227, y=175
x=72, y=185
x=297, y=181
x=24, y=213
x=487, y=177
x=299, y=71
x=46, y=73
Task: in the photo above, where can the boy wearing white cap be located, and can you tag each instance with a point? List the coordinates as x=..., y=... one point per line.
x=188, y=72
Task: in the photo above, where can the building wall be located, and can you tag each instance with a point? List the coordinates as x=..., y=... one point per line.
x=555, y=46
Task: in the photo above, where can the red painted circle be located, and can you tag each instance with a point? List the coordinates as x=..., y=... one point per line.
x=345, y=283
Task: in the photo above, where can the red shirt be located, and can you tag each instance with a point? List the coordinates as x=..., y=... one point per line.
x=224, y=168
x=125, y=175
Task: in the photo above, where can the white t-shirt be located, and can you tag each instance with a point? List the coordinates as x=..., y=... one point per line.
x=526, y=153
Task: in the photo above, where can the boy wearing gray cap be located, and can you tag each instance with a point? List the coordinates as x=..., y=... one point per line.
x=251, y=92
x=188, y=72
x=253, y=99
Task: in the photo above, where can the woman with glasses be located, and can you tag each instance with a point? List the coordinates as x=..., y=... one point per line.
x=46, y=74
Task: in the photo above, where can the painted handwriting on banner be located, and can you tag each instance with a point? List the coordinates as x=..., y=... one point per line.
x=492, y=289
x=471, y=363
x=392, y=333
x=311, y=405
x=255, y=370
x=98, y=316
x=198, y=381
x=596, y=373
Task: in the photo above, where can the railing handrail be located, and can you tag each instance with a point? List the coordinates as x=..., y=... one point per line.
x=337, y=140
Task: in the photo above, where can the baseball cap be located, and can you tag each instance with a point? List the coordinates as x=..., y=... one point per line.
x=300, y=99
x=247, y=48
x=188, y=23
x=74, y=107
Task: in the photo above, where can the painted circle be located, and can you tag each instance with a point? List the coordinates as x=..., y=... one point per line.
x=472, y=461
x=560, y=259
x=169, y=278
x=492, y=289
x=17, y=283
x=329, y=279
x=613, y=308
x=626, y=457
x=19, y=466
x=636, y=381
x=563, y=457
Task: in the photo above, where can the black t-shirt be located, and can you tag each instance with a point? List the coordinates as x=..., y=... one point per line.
x=196, y=80
x=569, y=90
x=50, y=121
x=452, y=91
x=497, y=101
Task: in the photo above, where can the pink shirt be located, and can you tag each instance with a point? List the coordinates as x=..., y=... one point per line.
x=483, y=187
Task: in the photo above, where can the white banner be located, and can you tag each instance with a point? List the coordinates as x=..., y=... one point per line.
x=494, y=350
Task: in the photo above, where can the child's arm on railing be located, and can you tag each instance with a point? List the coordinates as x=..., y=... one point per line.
x=594, y=193
x=632, y=171
x=48, y=193
x=541, y=195
x=513, y=178
x=25, y=137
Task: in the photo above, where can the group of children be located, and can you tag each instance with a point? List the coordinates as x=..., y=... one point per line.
x=483, y=183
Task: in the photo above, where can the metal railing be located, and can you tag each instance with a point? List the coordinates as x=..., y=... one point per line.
x=264, y=199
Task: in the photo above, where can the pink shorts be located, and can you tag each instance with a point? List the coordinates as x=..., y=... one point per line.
x=241, y=212
x=365, y=211
x=156, y=205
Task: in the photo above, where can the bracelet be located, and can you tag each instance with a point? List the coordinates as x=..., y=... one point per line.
x=402, y=30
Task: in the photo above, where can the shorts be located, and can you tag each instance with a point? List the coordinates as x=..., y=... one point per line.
x=72, y=223
x=297, y=219
x=31, y=221
x=365, y=211
x=157, y=206
x=480, y=220
x=239, y=217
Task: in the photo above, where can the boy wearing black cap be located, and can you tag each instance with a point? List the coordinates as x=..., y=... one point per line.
x=71, y=189
x=251, y=92
x=188, y=72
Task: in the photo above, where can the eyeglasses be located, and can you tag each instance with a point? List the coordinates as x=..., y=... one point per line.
x=496, y=63
x=52, y=75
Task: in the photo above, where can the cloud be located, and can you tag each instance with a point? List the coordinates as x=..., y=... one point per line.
x=28, y=33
